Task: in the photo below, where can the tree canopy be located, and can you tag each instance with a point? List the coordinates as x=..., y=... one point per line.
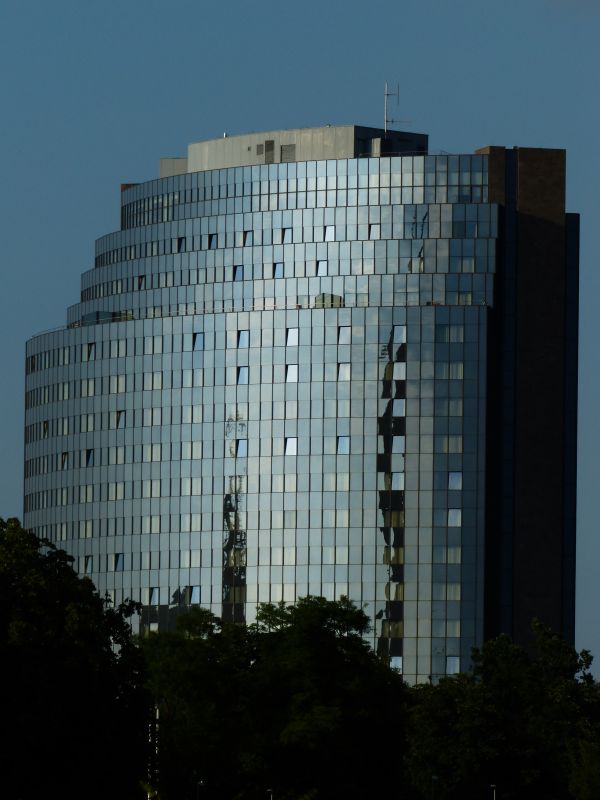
x=296, y=703
x=528, y=724
x=74, y=709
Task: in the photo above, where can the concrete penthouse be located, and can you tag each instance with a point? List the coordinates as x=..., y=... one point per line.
x=323, y=362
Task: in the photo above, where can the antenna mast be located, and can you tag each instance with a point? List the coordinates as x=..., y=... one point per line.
x=386, y=119
x=387, y=94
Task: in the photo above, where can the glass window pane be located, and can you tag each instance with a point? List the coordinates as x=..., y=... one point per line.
x=455, y=480
x=454, y=517
x=343, y=445
x=343, y=372
x=452, y=665
x=344, y=334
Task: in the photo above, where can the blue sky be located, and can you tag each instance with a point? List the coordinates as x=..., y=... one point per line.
x=93, y=93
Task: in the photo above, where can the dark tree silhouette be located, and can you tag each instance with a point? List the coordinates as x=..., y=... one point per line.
x=75, y=714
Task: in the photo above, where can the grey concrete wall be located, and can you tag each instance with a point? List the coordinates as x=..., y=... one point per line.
x=311, y=144
x=173, y=166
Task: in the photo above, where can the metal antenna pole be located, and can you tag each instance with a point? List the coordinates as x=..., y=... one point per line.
x=386, y=119
x=385, y=97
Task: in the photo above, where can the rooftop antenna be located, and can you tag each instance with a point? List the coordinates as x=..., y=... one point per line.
x=386, y=119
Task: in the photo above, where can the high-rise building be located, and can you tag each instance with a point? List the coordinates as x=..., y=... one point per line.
x=323, y=362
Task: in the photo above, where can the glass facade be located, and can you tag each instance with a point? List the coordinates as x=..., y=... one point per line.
x=275, y=385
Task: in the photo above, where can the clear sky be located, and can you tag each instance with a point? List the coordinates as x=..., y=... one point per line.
x=93, y=93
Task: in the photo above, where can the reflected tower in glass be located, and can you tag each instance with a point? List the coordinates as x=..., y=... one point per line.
x=322, y=361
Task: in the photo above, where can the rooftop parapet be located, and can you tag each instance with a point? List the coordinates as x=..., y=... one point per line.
x=300, y=144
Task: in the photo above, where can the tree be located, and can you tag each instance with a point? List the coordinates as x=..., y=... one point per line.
x=297, y=703
x=74, y=711
x=527, y=724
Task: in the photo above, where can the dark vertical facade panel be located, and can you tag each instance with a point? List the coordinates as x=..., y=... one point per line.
x=571, y=379
x=539, y=384
x=500, y=404
x=532, y=354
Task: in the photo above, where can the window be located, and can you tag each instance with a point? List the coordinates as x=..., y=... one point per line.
x=449, y=333
x=64, y=461
x=198, y=341
x=343, y=373
x=150, y=488
x=118, y=562
x=374, y=231
x=243, y=338
x=116, y=490
x=399, y=334
x=454, y=407
x=344, y=332
x=152, y=380
x=118, y=348
x=399, y=371
x=291, y=373
x=452, y=665
x=330, y=233
x=343, y=445
x=248, y=239
x=399, y=408
x=88, y=565
x=242, y=375
x=278, y=270
x=454, y=517
x=241, y=448
x=153, y=416
x=321, y=268
x=117, y=384
x=89, y=458
x=212, y=241
x=86, y=493
x=153, y=596
x=398, y=444
x=453, y=591
x=454, y=481
x=286, y=235
x=457, y=333
x=291, y=446
x=151, y=452
x=456, y=369
x=238, y=273
x=291, y=337
x=87, y=387
x=397, y=481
